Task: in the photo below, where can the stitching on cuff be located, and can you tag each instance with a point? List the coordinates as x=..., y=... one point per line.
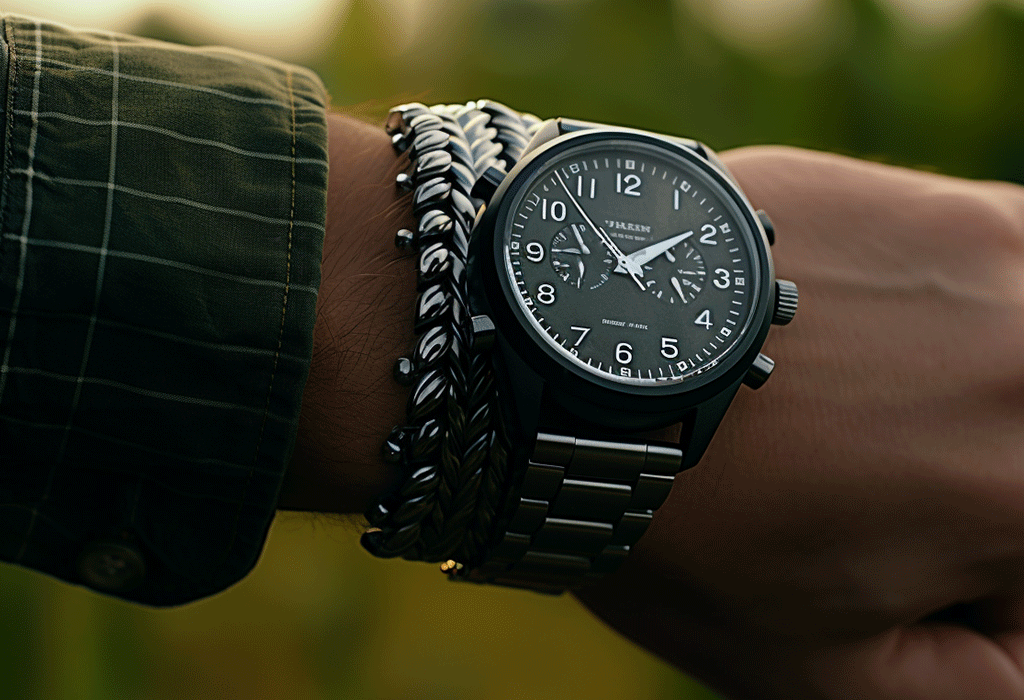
x=284, y=313
x=12, y=92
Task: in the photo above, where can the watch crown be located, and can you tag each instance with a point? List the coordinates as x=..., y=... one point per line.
x=786, y=298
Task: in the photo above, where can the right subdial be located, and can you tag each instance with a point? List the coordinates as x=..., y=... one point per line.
x=677, y=276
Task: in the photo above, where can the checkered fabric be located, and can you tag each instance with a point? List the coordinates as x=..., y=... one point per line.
x=162, y=219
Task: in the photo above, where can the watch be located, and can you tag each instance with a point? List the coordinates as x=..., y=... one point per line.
x=619, y=282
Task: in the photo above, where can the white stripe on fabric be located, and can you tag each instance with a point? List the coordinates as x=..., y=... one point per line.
x=172, y=337
x=98, y=184
x=212, y=461
x=67, y=533
x=267, y=101
x=151, y=393
x=97, y=292
x=25, y=228
x=78, y=247
x=209, y=345
x=104, y=248
x=179, y=136
x=27, y=222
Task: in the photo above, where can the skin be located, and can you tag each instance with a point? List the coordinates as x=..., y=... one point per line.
x=856, y=529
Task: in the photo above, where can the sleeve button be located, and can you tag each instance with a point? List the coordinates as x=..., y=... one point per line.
x=111, y=567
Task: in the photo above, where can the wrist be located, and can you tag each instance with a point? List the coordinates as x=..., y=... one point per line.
x=364, y=321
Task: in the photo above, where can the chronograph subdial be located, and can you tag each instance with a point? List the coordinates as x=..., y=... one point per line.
x=579, y=258
x=677, y=276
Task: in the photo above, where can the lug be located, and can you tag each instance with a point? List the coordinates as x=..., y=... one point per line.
x=483, y=333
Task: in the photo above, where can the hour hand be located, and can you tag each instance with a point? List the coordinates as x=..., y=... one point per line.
x=644, y=255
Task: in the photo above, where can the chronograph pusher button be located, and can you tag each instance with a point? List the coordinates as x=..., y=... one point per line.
x=759, y=372
x=767, y=225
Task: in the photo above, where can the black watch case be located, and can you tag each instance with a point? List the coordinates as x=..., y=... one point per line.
x=541, y=381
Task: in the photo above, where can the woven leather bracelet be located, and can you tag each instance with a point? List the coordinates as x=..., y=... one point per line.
x=452, y=447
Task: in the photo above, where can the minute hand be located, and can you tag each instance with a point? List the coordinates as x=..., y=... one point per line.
x=645, y=255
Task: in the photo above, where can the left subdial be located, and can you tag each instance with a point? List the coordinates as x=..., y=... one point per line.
x=579, y=258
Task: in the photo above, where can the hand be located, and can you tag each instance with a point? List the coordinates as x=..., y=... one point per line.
x=856, y=530
x=634, y=270
x=645, y=255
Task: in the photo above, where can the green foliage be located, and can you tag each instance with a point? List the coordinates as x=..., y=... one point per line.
x=866, y=84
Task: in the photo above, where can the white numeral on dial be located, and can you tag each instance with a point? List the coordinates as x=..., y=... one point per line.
x=704, y=319
x=623, y=353
x=709, y=232
x=722, y=281
x=546, y=294
x=669, y=348
x=556, y=209
x=583, y=334
x=586, y=186
x=534, y=252
x=630, y=184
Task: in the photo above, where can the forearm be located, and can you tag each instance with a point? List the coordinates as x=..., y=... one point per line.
x=367, y=296
x=364, y=322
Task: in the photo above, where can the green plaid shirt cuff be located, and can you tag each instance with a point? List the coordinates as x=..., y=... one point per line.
x=161, y=226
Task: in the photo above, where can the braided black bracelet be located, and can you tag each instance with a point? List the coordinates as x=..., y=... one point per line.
x=452, y=449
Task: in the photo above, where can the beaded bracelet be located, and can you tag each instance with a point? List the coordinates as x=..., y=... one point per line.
x=452, y=449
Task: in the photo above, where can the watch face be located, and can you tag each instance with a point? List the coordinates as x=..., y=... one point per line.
x=631, y=262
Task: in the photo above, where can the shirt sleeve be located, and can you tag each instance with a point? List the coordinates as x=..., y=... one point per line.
x=162, y=219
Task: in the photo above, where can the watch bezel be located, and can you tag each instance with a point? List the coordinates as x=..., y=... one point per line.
x=565, y=378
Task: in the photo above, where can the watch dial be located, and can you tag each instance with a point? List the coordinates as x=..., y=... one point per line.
x=631, y=262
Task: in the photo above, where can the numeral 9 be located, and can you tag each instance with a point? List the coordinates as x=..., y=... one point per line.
x=534, y=252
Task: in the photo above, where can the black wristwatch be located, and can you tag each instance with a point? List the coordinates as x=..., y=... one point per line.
x=620, y=282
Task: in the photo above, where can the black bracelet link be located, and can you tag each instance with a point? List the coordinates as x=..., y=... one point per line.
x=452, y=448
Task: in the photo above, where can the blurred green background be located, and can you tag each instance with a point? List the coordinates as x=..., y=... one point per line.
x=319, y=618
